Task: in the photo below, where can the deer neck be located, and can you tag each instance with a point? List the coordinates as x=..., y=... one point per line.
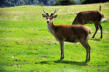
x=51, y=27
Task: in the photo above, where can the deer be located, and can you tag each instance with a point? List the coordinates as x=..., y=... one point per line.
x=68, y=33
x=93, y=16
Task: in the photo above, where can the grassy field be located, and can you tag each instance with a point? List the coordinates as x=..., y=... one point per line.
x=27, y=46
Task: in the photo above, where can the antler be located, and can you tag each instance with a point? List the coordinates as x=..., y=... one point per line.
x=45, y=12
x=54, y=12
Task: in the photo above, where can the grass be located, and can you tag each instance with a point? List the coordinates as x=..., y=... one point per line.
x=27, y=46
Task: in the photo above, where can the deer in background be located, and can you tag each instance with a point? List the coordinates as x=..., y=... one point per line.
x=93, y=16
x=68, y=33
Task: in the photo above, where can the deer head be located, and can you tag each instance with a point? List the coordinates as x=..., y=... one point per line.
x=48, y=16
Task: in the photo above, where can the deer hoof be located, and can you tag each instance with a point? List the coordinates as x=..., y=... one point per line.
x=87, y=60
x=61, y=58
x=93, y=37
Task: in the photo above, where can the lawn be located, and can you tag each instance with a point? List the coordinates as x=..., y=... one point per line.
x=27, y=46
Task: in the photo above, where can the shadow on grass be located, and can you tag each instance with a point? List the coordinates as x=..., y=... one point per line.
x=2, y=63
x=95, y=39
x=63, y=61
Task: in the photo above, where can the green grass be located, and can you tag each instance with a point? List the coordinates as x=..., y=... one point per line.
x=27, y=46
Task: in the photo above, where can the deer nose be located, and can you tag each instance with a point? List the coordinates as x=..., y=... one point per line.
x=47, y=21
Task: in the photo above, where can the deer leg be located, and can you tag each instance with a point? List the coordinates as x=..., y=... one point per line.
x=101, y=30
x=88, y=51
x=62, y=49
x=96, y=26
x=87, y=47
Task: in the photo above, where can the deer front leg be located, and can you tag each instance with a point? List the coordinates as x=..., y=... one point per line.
x=62, y=49
x=101, y=30
x=88, y=52
x=96, y=26
x=87, y=47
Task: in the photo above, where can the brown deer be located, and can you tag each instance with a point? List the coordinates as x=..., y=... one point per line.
x=68, y=33
x=86, y=17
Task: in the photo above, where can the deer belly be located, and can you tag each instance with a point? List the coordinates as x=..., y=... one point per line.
x=71, y=40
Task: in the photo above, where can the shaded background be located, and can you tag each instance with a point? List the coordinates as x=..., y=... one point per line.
x=10, y=3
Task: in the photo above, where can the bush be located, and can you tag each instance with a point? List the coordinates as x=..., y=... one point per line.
x=64, y=2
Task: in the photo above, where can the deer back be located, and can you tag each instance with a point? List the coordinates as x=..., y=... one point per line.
x=85, y=17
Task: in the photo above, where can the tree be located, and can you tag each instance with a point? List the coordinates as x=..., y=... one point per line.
x=93, y=1
x=64, y=2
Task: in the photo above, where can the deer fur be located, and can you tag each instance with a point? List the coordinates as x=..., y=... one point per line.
x=68, y=33
x=86, y=17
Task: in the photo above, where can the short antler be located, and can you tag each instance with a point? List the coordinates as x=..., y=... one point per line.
x=45, y=12
x=54, y=12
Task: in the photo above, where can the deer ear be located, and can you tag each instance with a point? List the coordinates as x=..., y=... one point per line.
x=55, y=16
x=44, y=15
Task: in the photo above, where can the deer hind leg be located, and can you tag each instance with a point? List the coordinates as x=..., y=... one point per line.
x=62, y=49
x=101, y=30
x=97, y=27
x=87, y=47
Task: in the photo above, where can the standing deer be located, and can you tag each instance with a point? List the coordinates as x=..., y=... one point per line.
x=86, y=17
x=68, y=33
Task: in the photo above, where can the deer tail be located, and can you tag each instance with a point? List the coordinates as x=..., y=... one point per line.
x=90, y=31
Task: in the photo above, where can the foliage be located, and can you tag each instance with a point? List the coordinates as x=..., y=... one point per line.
x=93, y=1
x=64, y=2
x=9, y=3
